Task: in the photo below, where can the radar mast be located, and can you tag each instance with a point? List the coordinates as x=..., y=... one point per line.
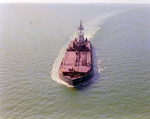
x=81, y=34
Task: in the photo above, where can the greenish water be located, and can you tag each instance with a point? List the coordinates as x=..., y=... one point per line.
x=33, y=39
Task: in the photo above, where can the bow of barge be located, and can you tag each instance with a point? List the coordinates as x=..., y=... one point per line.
x=76, y=66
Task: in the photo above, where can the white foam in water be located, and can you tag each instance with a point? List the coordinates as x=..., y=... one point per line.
x=93, y=25
x=56, y=65
x=91, y=28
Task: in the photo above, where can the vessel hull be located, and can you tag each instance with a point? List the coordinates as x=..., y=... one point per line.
x=76, y=66
x=76, y=82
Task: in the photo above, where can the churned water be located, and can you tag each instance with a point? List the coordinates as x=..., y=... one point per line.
x=33, y=40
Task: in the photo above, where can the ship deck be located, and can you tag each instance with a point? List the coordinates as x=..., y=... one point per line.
x=69, y=61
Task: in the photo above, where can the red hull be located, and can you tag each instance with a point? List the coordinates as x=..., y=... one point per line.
x=76, y=66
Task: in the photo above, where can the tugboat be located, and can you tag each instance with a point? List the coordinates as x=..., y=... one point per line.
x=76, y=66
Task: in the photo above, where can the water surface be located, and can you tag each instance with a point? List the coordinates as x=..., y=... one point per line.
x=33, y=39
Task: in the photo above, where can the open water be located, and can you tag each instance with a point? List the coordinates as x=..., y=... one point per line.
x=33, y=39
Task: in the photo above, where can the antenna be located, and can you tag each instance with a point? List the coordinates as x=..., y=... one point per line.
x=80, y=27
x=81, y=34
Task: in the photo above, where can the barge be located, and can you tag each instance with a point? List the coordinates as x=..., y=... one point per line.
x=76, y=66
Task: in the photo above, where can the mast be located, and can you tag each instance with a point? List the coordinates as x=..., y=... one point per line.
x=81, y=34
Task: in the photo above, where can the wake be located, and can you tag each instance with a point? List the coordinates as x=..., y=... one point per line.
x=91, y=27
